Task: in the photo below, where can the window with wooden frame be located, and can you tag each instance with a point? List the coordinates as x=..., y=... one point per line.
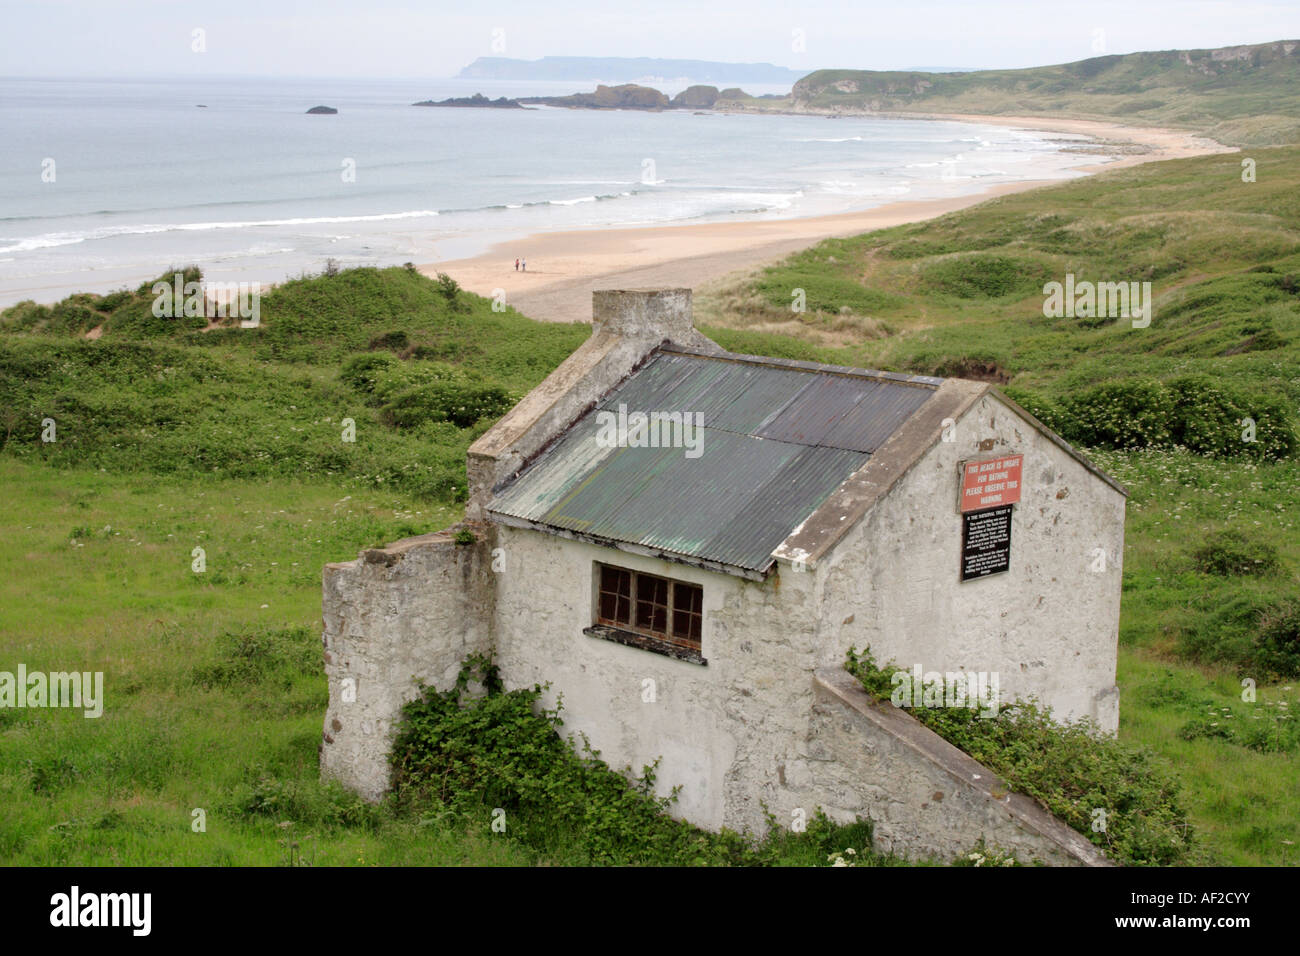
x=648, y=611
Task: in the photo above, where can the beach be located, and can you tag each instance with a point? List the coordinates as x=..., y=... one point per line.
x=564, y=267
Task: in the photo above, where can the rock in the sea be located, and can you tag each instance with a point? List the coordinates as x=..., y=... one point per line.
x=696, y=98
x=629, y=96
x=478, y=100
x=322, y=110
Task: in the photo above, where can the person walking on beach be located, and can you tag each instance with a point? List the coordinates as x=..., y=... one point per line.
x=524, y=264
x=516, y=263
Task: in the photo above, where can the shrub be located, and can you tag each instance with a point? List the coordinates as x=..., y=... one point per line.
x=476, y=751
x=1193, y=411
x=1231, y=552
x=363, y=372
x=1277, y=639
x=1210, y=419
x=1130, y=414
x=462, y=403
x=1069, y=769
x=256, y=655
x=114, y=300
x=985, y=276
x=394, y=341
x=1257, y=634
x=450, y=290
x=1037, y=405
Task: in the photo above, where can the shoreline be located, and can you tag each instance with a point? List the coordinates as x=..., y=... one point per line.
x=566, y=266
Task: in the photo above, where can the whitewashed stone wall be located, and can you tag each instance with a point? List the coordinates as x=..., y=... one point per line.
x=1048, y=626
x=394, y=618
x=726, y=731
x=926, y=799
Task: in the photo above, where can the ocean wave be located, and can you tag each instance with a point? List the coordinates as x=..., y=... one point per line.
x=53, y=239
x=832, y=139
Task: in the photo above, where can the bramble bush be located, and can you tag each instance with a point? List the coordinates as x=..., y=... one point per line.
x=1194, y=412
x=477, y=748
x=1070, y=769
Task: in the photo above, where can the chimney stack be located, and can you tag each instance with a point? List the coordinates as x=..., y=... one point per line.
x=651, y=314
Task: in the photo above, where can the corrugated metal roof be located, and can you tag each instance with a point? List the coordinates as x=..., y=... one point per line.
x=777, y=439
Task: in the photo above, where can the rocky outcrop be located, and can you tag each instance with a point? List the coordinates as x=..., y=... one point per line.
x=477, y=101
x=322, y=111
x=629, y=96
x=695, y=98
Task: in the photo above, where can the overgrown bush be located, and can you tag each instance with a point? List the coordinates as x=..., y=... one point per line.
x=363, y=372
x=1195, y=412
x=1132, y=414
x=1072, y=770
x=1255, y=632
x=1231, y=553
x=1212, y=419
x=1277, y=640
x=461, y=403
x=479, y=753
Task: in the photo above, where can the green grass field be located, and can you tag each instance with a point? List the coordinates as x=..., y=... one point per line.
x=171, y=438
x=963, y=295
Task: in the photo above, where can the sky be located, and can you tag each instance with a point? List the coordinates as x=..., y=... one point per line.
x=388, y=38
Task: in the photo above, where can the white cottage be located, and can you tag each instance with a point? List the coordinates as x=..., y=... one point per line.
x=685, y=542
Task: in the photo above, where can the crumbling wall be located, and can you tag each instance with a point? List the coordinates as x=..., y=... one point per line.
x=926, y=798
x=394, y=618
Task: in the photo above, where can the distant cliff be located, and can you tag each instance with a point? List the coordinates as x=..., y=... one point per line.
x=615, y=69
x=1244, y=95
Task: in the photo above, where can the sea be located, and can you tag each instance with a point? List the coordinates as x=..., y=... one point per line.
x=107, y=183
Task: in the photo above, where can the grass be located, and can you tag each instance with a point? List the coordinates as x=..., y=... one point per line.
x=170, y=438
x=1212, y=553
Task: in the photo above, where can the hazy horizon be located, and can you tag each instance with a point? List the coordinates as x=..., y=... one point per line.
x=384, y=39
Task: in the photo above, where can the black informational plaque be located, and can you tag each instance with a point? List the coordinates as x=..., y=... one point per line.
x=985, y=542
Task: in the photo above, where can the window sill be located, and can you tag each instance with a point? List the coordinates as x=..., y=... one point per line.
x=645, y=642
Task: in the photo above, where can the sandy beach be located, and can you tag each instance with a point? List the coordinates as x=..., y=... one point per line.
x=564, y=267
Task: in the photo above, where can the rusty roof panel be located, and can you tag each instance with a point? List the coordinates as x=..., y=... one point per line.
x=776, y=441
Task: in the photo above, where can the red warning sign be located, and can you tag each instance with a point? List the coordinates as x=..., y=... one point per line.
x=989, y=484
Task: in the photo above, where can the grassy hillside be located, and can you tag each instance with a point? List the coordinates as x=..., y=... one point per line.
x=171, y=436
x=416, y=366
x=1212, y=556
x=1246, y=95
